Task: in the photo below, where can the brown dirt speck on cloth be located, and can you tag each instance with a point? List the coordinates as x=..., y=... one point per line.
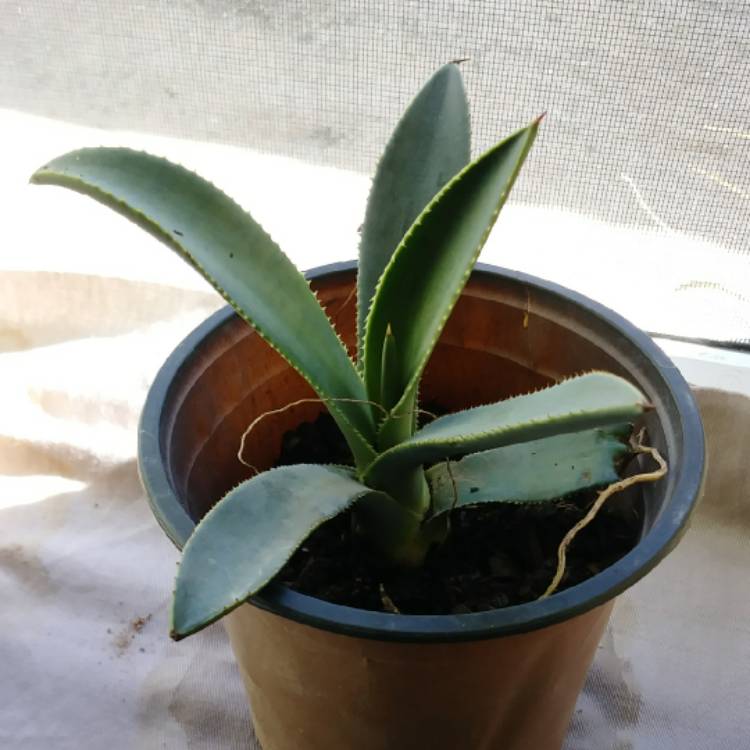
x=495, y=556
x=126, y=636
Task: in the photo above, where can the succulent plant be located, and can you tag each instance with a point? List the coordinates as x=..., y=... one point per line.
x=429, y=213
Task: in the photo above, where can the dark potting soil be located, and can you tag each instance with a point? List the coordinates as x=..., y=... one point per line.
x=495, y=556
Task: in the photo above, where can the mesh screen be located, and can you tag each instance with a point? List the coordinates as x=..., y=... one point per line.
x=649, y=110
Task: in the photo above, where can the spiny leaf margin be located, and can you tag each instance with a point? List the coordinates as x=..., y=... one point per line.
x=102, y=173
x=532, y=472
x=248, y=536
x=595, y=399
x=421, y=276
x=429, y=145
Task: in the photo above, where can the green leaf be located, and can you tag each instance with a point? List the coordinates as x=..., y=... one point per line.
x=430, y=144
x=529, y=472
x=228, y=248
x=246, y=538
x=429, y=268
x=393, y=531
x=388, y=396
x=597, y=399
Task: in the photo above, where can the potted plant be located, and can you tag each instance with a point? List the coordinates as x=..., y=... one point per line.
x=417, y=655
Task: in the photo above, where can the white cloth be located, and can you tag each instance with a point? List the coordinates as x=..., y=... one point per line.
x=86, y=574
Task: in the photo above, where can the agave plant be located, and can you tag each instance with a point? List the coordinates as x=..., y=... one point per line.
x=429, y=213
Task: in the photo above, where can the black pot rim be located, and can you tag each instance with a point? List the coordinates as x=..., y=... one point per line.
x=652, y=548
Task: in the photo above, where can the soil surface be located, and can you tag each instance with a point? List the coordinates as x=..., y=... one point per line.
x=495, y=556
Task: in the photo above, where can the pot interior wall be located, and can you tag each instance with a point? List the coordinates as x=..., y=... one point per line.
x=502, y=339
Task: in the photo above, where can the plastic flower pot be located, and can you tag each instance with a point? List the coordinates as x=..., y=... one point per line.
x=326, y=677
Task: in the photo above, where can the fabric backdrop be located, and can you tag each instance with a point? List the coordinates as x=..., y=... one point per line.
x=86, y=574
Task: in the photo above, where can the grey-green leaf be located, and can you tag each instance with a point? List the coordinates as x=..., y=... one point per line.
x=597, y=399
x=223, y=242
x=248, y=536
x=430, y=144
x=429, y=268
x=530, y=472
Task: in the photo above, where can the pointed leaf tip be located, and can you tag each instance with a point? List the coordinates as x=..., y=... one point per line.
x=589, y=401
x=429, y=145
x=232, y=251
x=250, y=534
x=434, y=259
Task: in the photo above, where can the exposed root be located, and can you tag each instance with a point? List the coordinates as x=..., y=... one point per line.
x=335, y=316
x=604, y=495
x=291, y=405
x=527, y=310
x=429, y=414
x=254, y=469
x=453, y=482
x=387, y=602
x=301, y=401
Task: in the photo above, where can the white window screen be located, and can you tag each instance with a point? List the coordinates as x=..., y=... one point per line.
x=637, y=193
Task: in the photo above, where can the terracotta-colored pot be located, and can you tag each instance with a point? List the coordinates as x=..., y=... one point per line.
x=326, y=677
x=310, y=688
